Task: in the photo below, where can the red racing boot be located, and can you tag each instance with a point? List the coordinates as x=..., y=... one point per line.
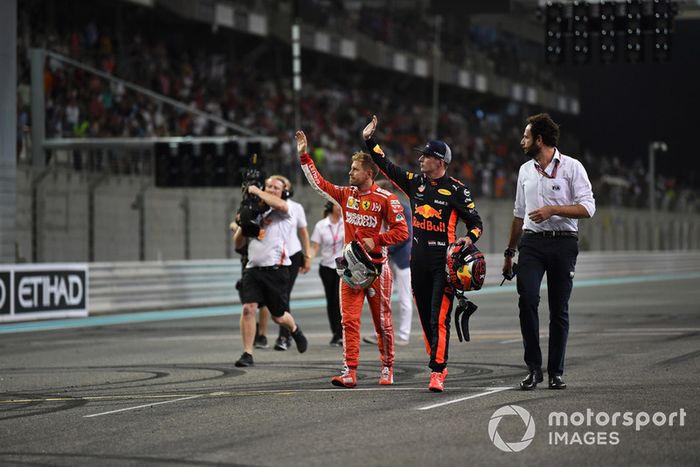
x=387, y=377
x=437, y=381
x=347, y=379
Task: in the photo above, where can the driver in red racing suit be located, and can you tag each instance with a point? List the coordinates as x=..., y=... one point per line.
x=374, y=217
x=438, y=202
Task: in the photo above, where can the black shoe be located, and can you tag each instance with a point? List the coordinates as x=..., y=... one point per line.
x=533, y=377
x=555, y=382
x=281, y=344
x=370, y=340
x=300, y=340
x=245, y=360
x=261, y=342
x=337, y=341
x=284, y=332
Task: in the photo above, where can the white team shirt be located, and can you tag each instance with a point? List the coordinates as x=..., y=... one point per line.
x=296, y=210
x=331, y=238
x=273, y=249
x=570, y=186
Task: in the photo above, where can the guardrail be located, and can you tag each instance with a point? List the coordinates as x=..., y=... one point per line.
x=138, y=286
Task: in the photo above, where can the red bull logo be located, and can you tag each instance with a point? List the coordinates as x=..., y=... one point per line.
x=429, y=225
x=427, y=212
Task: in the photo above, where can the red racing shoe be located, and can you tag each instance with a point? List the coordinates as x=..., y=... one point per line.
x=387, y=377
x=347, y=379
x=437, y=381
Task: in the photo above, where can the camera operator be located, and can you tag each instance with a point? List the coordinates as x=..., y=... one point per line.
x=301, y=262
x=265, y=279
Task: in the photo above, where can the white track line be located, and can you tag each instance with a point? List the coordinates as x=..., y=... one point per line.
x=293, y=391
x=643, y=329
x=512, y=341
x=144, y=405
x=357, y=389
x=473, y=396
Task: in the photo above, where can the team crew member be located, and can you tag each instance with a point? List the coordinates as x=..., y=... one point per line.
x=328, y=238
x=438, y=202
x=265, y=278
x=553, y=192
x=400, y=261
x=367, y=211
x=301, y=261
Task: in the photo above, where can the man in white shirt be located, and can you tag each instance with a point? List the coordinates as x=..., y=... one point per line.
x=300, y=261
x=553, y=191
x=265, y=278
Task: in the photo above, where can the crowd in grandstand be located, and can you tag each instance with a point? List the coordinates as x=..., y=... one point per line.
x=413, y=28
x=485, y=143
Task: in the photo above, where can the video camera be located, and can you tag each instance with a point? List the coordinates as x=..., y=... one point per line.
x=251, y=205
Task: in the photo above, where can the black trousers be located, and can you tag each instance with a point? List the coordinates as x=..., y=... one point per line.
x=331, y=285
x=297, y=260
x=434, y=299
x=557, y=257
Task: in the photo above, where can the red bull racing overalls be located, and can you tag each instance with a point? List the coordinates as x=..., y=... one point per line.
x=437, y=205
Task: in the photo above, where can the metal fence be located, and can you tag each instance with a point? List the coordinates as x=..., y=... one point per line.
x=116, y=287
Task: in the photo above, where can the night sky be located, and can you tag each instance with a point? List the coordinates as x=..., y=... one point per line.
x=624, y=106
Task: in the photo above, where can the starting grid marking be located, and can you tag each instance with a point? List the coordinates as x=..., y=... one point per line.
x=142, y=406
x=461, y=399
x=171, y=398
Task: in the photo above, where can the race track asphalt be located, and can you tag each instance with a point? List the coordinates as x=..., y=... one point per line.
x=167, y=393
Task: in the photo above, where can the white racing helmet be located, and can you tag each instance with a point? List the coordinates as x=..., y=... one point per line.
x=355, y=267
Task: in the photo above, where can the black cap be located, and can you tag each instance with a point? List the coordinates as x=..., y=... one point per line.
x=437, y=148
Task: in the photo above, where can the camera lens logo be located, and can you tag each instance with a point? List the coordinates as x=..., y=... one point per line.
x=524, y=416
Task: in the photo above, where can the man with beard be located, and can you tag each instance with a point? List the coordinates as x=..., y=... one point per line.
x=553, y=191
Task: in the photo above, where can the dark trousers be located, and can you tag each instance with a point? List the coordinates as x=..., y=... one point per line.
x=331, y=285
x=557, y=257
x=297, y=260
x=434, y=302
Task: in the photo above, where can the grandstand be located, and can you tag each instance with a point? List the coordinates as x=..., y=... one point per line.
x=119, y=77
x=113, y=88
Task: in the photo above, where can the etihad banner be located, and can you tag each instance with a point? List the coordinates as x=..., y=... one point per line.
x=43, y=291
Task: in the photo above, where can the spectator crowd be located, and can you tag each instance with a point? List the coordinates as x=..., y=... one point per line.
x=248, y=90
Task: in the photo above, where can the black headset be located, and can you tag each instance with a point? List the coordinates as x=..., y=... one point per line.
x=287, y=193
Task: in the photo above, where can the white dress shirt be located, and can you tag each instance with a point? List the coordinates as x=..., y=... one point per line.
x=570, y=186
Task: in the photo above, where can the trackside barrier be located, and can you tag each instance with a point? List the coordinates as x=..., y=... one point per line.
x=43, y=291
x=137, y=286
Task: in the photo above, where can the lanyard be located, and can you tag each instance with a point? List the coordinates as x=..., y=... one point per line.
x=545, y=174
x=334, y=234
